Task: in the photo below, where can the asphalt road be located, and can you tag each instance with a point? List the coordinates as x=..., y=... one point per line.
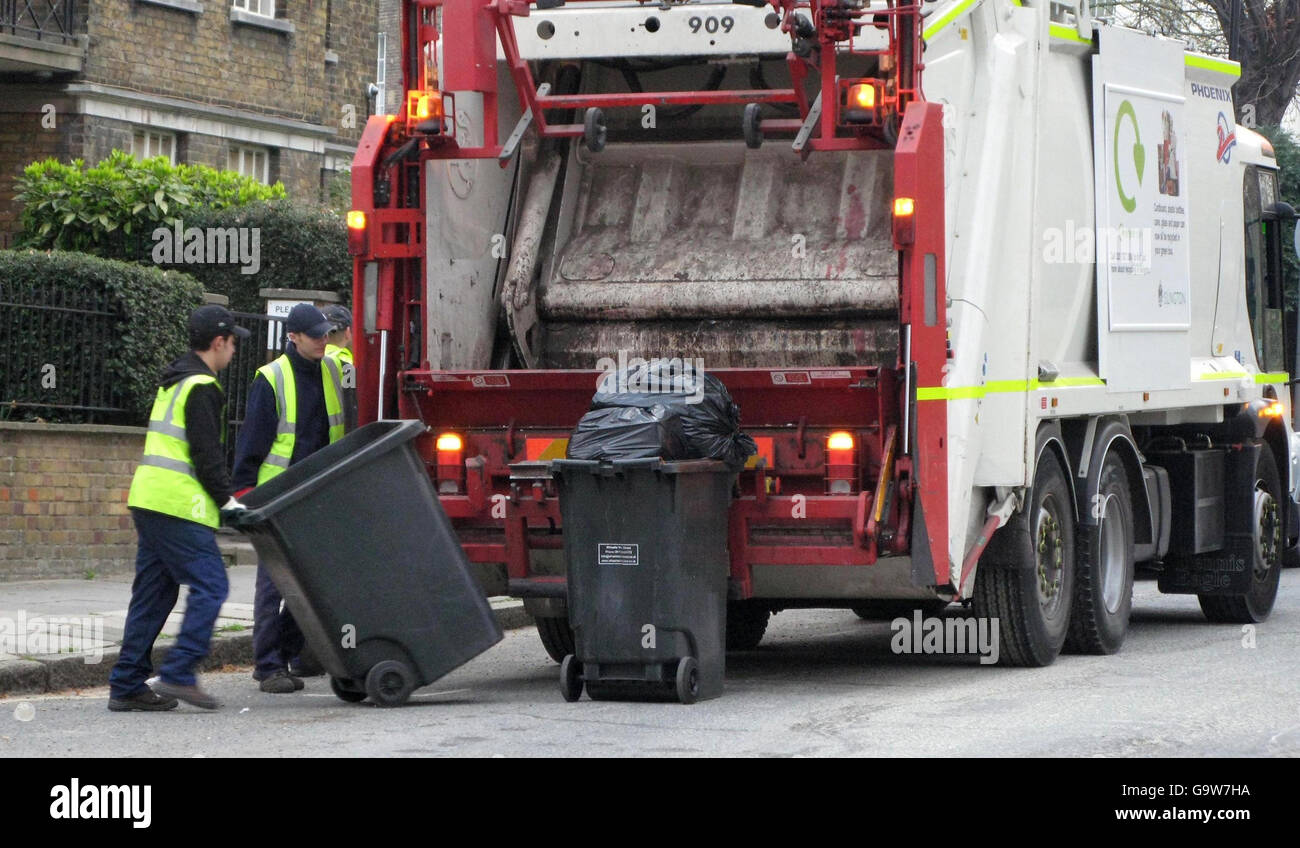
x=822, y=684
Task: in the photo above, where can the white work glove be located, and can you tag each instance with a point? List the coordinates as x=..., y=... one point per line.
x=232, y=504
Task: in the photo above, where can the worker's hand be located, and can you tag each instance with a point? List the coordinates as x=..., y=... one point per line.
x=231, y=510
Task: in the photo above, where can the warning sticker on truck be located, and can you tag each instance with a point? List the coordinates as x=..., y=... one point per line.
x=608, y=553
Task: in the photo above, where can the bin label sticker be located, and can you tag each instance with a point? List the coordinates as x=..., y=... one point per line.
x=608, y=553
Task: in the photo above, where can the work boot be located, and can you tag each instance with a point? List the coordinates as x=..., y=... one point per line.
x=189, y=694
x=281, y=683
x=146, y=700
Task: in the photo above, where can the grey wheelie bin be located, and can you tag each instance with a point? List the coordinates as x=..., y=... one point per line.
x=645, y=544
x=358, y=544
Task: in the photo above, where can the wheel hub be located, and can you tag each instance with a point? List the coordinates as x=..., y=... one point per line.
x=1113, y=554
x=1049, y=554
x=1268, y=533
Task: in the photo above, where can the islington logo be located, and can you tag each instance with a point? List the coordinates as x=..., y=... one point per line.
x=93, y=801
x=181, y=245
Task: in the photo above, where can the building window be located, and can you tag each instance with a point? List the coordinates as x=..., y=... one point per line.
x=381, y=75
x=249, y=161
x=265, y=8
x=146, y=144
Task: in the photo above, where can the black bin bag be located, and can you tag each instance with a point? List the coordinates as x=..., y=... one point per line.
x=672, y=399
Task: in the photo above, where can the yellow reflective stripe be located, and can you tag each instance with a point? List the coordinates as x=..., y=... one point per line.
x=1223, y=375
x=1275, y=377
x=994, y=387
x=947, y=17
x=1066, y=33
x=1210, y=63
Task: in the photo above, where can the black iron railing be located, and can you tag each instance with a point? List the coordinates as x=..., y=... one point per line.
x=44, y=20
x=51, y=364
x=250, y=354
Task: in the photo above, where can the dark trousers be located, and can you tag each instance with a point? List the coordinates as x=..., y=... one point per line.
x=172, y=551
x=276, y=637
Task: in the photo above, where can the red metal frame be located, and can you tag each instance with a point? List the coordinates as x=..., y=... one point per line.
x=471, y=29
x=500, y=519
x=918, y=174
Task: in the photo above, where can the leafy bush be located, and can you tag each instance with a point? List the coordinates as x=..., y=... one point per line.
x=113, y=327
x=111, y=209
x=301, y=247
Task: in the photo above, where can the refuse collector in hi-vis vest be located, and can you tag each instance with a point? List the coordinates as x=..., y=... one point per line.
x=295, y=408
x=339, y=343
x=173, y=501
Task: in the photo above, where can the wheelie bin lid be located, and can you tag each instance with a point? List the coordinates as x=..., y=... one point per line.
x=302, y=479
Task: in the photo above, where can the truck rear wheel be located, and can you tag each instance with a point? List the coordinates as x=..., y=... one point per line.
x=1267, y=536
x=1103, y=575
x=746, y=624
x=556, y=635
x=1026, y=578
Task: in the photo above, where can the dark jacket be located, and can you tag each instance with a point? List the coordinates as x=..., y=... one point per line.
x=205, y=426
x=257, y=433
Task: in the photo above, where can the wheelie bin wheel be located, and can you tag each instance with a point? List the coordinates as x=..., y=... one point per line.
x=593, y=130
x=347, y=690
x=688, y=680
x=571, y=678
x=390, y=683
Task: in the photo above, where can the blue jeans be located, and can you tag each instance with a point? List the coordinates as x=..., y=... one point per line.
x=172, y=551
x=276, y=637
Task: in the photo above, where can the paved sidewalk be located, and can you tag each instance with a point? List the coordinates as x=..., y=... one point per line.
x=65, y=634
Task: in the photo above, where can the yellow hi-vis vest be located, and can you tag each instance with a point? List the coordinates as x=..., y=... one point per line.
x=279, y=374
x=165, y=481
x=344, y=355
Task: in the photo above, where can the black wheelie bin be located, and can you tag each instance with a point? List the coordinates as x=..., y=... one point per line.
x=645, y=545
x=357, y=542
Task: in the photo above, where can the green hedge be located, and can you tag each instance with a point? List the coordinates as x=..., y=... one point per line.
x=301, y=247
x=111, y=209
x=97, y=360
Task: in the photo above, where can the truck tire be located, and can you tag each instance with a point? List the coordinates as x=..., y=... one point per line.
x=890, y=610
x=556, y=635
x=746, y=624
x=1255, y=605
x=1103, y=574
x=1026, y=577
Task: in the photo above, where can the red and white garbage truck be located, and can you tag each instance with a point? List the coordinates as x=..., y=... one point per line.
x=996, y=286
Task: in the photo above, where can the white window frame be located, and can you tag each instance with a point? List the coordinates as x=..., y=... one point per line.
x=244, y=160
x=147, y=143
x=265, y=8
x=381, y=73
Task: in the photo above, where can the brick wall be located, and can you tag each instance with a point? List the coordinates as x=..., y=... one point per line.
x=352, y=37
x=209, y=59
x=63, y=494
x=22, y=141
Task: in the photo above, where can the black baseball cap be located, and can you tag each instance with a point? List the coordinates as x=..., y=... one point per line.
x=307, y=319
x=338, y=315
x=208, y=322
